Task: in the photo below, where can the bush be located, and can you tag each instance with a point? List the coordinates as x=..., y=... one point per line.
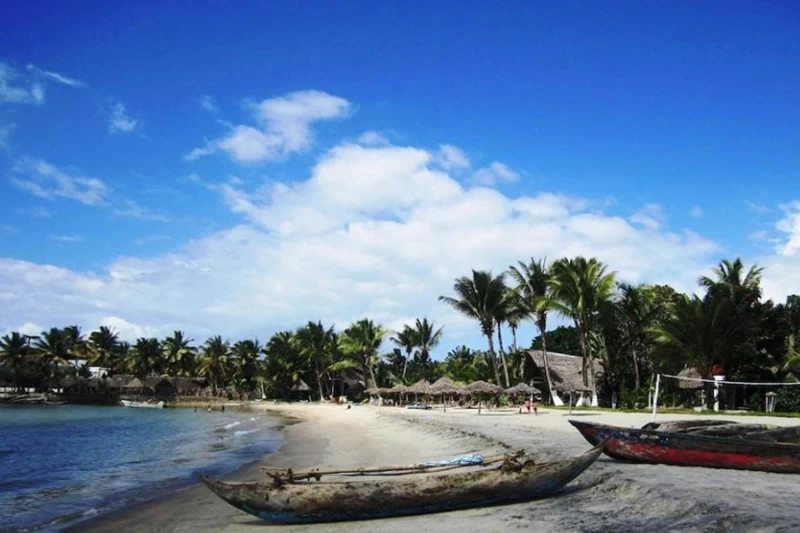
x=756, y=402
x=633, y=398
x=788, y=400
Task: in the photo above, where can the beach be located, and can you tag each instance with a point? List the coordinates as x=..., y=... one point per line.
x=609, y=496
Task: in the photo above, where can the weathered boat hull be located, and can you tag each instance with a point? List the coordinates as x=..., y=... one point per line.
x=142, y=405
x=687, y=449
x=302, y=503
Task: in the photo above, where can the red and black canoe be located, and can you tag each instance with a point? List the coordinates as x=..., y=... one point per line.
x=766, y=451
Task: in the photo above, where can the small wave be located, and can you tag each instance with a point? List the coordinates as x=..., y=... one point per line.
x=252, y=419
x=232, y=425
x=245, y=432
x=91, y=511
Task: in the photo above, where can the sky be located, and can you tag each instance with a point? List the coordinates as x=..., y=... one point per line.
x=242, y=168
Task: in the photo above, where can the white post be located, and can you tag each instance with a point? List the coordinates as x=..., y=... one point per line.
x=655, y=397
x=570, y=402
x=717, y=386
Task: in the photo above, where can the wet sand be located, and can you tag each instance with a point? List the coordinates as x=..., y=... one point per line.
x=610, y=496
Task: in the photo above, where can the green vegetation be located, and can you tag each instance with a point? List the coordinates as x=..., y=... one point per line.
x=625, y=333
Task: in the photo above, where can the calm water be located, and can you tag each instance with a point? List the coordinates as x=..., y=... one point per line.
x=62, y=464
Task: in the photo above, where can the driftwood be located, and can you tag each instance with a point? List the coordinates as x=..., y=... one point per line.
x=301, y=503
x=284, y=475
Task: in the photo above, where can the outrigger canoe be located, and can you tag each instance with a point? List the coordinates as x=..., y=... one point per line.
x=293, y=502
x=745, y=447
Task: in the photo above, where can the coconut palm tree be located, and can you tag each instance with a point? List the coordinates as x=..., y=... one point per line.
x=102, y=343
x=732, y=276
x=245, y=362
x=363, y=340
x=145, y=357
x=579, y=286
x=77, y=347
x=52, y=347
x=480, y=298
x=426, y=337
x=502, y=315
x=283, y=364
x=316, y=344
x=534, y=285
x=14, y=352
x=636, y=312
x=179, y=354
x=215, y=364
x=405, y=339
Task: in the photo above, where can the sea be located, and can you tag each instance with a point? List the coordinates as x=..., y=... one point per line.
x=60, y=465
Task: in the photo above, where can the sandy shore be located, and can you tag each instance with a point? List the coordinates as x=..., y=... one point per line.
x=609, y=496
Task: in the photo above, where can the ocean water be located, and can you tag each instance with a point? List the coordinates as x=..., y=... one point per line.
x=63, y=464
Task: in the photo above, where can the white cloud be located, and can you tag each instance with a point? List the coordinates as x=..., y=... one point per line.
x=15, y=90
x=696, y=211
x=55, y=76
x=46, y=181
x=757, y=207
x=493, y=174
x=152, y=238
x=119, y=121
x=373, y=138
x=377, y=231
x=781, y=276
x=207, y=102
x=5, y=133
x=651, y=216
x=131, y=209
x=67, y=238
x=283, y=127
x=452, y=157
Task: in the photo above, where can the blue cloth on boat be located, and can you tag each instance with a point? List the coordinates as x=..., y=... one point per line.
x=462, y=460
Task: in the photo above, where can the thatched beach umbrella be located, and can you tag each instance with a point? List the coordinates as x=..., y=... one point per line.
x=522, y=388
x=420, y=387
x=480, y=388
x=445, y=386
x=398, y=389
x=302, y=386
x=692, y=373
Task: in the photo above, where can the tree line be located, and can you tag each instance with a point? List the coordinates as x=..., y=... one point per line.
x=625, y=334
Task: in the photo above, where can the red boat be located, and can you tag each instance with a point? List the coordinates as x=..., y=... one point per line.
x=767, y=451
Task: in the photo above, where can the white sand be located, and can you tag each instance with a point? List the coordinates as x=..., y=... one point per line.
x=610, y=496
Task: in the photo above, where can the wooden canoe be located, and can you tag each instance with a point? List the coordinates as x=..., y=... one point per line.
x=310, y=502
x=767, y=451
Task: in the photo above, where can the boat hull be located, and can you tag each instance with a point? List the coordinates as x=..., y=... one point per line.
x=142, y=405
x=686, y=449
x=303, y=503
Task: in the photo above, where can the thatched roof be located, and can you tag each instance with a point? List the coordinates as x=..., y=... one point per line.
x=399, y=388
x=300, y=386
x=481, y=387
x=151, y=381
x=522, y=388
x=420, y=387
x=71, y=382
x=445, y=386
x=135, y=383
x=565, y=370
x=693, y=373
x=372, y=391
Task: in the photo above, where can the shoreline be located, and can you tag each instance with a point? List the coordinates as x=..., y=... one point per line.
x=611, y=495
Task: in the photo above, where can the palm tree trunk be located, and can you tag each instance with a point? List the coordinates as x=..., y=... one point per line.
x=405, y=365
x=635, y=366
x=503, y=354
x=371, y=373
x=493, y=358
x=513, y=338
x=319, y=386
x=584, y=338
x=543, y=333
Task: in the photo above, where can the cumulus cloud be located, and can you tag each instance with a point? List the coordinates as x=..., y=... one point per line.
x=452, y=157
x=373, y=138
x=493, y=174
x=16, y=90
x=379, y=231
x=650, y=216
x=44, y=180
x=282, y=126
x=782, y=269
x=120, y=122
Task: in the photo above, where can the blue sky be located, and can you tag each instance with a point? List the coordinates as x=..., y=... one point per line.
x=243, y=169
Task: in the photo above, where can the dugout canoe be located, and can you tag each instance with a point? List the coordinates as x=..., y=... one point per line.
x=766, y=451
x=311, y=502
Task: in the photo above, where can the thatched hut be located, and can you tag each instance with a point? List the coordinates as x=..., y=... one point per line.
x=481, y=389
x=566, y=373
x=444, y=386
x=420, y=387
x=300, y=389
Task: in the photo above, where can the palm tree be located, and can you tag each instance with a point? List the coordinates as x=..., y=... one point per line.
x=502, y=315
x=791, y=364
x=534, y=285
x=145, y=357
x=579, y=286
x=245, y=362
x=480, y=298
x=406, y=341
x=636, y=313
x=52, y=348
x=363, y=340
x=14, y=352
x=283, y=364
x=315, y=344
x=426, y=337
x=216, y=361
x=730, y=275
x=102, y=344
x=120, y=358
x=76, y=344
x=179, y=354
